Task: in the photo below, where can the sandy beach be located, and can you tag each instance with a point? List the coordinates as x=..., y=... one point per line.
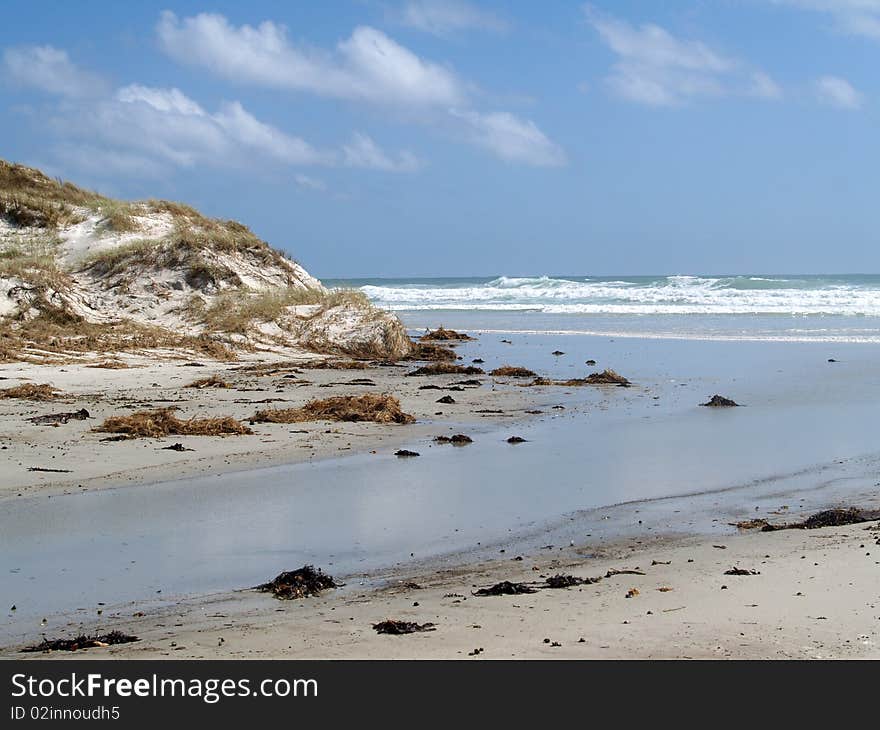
x=661, y=560
x=813, y=596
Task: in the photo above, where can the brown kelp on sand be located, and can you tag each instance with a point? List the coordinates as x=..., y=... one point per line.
x=212, y=381
x=397, y=628
x=828, y=518
x=162, y=422
x=81, y=642
x=606, y=377
x=300, y=583
x=431, y=351
x=443, y=334
x=444, y=368
x=369, y=407
x=512, y=371
x=31, y=391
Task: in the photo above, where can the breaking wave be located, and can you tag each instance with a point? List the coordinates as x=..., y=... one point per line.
x=805, y=295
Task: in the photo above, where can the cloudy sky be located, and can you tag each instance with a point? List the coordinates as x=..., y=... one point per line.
x=456, y=137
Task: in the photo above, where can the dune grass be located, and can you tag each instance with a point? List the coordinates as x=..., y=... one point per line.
x=238, y=311
x=30, y=198
x=119, y=216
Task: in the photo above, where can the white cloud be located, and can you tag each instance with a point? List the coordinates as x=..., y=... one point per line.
x=367, y=66
x=142, y=130
x=655, y=68
x=250, y=132
x=763, y=86
x=364, y=152
x=165, y=100
x=854, y=17
x=49, y=69
x=443, y=17
x=310, y=183
x=838, y=92
x=510, y=138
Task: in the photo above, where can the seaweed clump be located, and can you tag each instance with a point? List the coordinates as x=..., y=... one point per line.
x=30, y=391
x=442, y=334
x=505, y=588
x=300, y=583
x=162, y=422
x=396, y=628
x=719, y=401
x=513, y=371
x=376, y=408
x=445, y=368
x=82, y=642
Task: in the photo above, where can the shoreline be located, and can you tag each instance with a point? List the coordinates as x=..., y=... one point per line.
x=678, y=604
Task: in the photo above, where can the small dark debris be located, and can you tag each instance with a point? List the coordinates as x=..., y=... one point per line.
x=750, y=524
x=52, y=418
x=406, y=453
x=458, y=439
x=614, y=572
x=719, y=401
x=397, y=628
x=557, y=352
x=46, y=469
x=567, y=581
x=478, y=360
x=468, y=382
x=176, y=447
x=505, y=588
x=590, y=362
x=82, y=642
x=516, y=440
x=446, y=399
x=741, y=571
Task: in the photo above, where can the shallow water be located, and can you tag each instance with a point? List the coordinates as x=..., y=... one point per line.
x=806, y=423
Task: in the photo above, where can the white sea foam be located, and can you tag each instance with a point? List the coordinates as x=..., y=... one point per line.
x=662, y=295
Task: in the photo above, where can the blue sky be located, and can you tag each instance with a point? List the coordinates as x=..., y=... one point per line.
x=446, y=137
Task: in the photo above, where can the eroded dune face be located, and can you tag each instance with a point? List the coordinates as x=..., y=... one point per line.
x=78, y=270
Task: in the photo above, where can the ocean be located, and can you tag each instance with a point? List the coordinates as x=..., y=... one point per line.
x=804, y=308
